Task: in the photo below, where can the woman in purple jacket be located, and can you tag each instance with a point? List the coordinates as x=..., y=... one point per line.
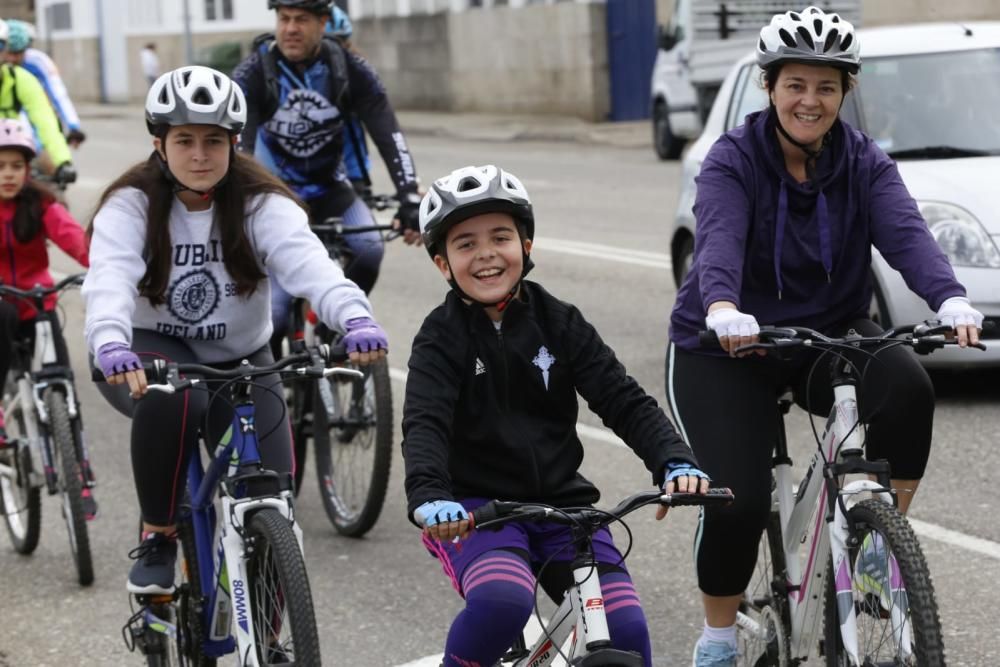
x=788, y=207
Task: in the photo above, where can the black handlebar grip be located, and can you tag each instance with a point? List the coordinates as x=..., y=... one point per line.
x=708, y=339
x=484, y=514
x=717, y=496
x=97, y=375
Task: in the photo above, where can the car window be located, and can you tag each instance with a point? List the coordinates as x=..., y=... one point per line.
x=748, y=96
x=936, y=100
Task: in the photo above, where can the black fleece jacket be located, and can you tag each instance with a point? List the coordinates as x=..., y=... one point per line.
x=492, y=412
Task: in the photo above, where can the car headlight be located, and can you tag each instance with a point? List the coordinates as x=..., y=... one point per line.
x=960, y=235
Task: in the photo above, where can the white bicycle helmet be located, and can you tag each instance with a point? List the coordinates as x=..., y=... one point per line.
x=195, y=95
x=471, y=191
x=4, y=32
x=810, y=36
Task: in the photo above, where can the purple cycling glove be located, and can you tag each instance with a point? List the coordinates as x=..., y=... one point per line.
x=115, y=358
x=364, y=335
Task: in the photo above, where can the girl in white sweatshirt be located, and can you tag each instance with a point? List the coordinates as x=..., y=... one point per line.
x=181, y=249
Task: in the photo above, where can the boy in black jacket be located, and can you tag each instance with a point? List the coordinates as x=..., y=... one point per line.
x=491, y=412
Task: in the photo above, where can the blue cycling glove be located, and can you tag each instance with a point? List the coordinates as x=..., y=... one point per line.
x=439, y=511
x=677, y=469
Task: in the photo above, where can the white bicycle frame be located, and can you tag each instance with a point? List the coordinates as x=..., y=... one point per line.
x=801, y=519
x=580, y=614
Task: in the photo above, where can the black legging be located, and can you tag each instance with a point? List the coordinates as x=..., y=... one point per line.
x=165, y=427
x=727, y=411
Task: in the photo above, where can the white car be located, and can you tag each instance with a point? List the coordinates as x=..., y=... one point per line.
x=929, y=94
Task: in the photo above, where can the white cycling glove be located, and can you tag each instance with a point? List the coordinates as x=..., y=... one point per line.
x=731, y=322
x=957, y=311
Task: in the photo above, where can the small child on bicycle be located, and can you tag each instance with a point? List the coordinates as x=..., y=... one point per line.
x=491, y=412
x=30, y=215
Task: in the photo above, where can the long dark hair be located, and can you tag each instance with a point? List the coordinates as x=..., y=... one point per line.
x=30, y=204
x=245, y=179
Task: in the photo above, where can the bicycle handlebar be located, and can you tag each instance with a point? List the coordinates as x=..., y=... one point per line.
x=924, y=338
x=38, y=292
x=169, y=380
x=498, y=512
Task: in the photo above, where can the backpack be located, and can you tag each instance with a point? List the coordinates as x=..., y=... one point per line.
x=336, y=61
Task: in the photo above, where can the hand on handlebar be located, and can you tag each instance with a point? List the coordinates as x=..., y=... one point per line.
x=959, y=314
x=365, y=341
x=682, y=477
x=444, y=520
x=407, y=218
x=121, y=365
x=733, y=328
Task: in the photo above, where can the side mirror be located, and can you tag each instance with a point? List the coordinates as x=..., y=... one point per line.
x=667, y=38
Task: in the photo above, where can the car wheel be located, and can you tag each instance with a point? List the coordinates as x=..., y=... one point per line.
x=668, y=146
x=683, y=259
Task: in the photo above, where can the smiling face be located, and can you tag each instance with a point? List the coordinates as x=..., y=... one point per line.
x=808, y=99
x=485, y=257
x=299, y=33
x=13, y=172
x=198, y=155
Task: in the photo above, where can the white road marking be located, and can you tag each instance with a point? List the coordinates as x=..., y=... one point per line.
x=655, y=260
x=932, y=531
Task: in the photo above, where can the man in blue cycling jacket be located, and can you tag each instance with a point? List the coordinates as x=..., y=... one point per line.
x=299, y=89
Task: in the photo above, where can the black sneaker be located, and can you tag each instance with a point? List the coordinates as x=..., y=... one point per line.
x=153, y=571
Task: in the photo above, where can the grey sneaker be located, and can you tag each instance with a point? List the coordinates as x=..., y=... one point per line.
x=713, y=654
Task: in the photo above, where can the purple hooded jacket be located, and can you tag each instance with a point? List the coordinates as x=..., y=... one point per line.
x=793, y=253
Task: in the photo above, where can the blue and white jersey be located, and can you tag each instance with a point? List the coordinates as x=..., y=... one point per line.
x=39, y=64
x=301, y=135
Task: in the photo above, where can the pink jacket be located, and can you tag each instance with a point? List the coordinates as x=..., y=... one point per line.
x=25, y=265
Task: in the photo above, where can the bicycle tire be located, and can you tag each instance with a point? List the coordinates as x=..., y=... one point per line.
x=20, y=502
x=299, y=398
x=279, y=595
x=353, y=491
x=192, y=598
x=159, y=650
x=762, y=604
x=869, y=516
x=67, y=466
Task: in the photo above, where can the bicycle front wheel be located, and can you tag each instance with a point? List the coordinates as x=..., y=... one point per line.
x=284, y=626
x=352, y=421
x=20, y=500
x=70, y=483
x=761, y=626
x=892, y=594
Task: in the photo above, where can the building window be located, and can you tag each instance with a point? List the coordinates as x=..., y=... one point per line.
x=218, y=10
x=59, y=16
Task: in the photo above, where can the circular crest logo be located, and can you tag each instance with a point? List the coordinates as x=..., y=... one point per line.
x=302, y=125
x=194, y=296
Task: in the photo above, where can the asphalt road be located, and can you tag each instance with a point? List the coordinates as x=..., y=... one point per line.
x=381, y=601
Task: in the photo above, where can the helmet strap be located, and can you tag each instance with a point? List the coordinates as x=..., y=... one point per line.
x=177, y=186
x=502, y=304
x=812, y=155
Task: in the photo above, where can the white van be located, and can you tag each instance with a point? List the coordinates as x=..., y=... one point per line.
x=697, y=47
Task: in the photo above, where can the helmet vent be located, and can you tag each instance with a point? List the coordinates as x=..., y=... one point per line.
x=795, y=16
x=467, y=184
x=201, y=96
x=845, y=44
x=806, y=37
x=786, y=37
x=186, y=77
x=164, y=98
x=818, y=27
x=834, y=18
x=831, y=39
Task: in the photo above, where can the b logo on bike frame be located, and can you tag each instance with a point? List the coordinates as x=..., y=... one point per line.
x=194, y=296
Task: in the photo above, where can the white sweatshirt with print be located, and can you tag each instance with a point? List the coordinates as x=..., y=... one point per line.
x=201, y=306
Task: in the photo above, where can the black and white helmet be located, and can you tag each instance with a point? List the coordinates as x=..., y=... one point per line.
x=468, y=192
x=195, y=95
x=811, y=36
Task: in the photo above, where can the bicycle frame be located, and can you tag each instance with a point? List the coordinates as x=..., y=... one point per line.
x=222, y=569
x=581, y=615
x=839, y=454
